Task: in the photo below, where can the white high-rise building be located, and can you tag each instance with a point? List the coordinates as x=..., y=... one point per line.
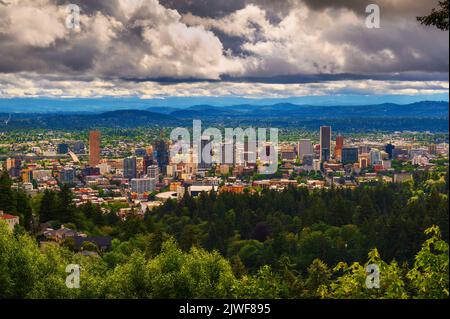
x=375, y=156
x=316, y=165
x=153, y=171
x=143, y=185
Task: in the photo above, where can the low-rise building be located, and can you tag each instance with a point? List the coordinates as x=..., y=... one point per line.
x=10, y=220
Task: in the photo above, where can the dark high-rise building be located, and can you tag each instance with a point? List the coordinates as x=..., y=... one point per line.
x=129, y=167
x=389, y=149
x=94, y=148
x=90, y=171
x=308, y=160
x=349, y=155
x=161, y=154
x=67, y=176
x=140, y=152
x=79, y=147
x=62, y=148
x=324, y=154
x=325, y=142
x=146, y=162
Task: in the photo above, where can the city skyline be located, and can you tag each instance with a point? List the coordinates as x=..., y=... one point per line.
x=258, y=150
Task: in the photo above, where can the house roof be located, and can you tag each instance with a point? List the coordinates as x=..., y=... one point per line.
x=7, y=216
x=100, y=241
x=65, y=231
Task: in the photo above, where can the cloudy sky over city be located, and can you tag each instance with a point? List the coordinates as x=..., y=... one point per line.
x=244, y=48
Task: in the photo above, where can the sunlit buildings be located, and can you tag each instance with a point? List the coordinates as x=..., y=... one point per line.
x=94, y=148
x=338, y=147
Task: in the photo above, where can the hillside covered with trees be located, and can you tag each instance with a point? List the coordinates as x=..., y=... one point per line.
x=268, y=244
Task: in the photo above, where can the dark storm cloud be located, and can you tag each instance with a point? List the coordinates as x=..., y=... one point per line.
x=387, y=7
x=205, y=8
x=217, y=9
x=110, y=7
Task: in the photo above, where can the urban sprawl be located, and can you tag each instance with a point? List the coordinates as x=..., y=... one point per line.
x=151, y=176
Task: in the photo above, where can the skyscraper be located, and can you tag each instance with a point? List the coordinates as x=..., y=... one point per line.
x=389, y=149
x=94, y=148
x=375, y=156
x=13, y=165
x=129, y=167
x=304, y=147
x=339, y=146
x=62, y=148
x=78, y=147
x=206, y=153
x=161, y=152
x=67, y=176
x=349, y=155
x=325, y=154
x=146, y=162
x=325, y=143
x=228, y=153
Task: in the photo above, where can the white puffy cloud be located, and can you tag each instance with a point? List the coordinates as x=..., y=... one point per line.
x=145, y=40
x=329, y=41
x=32, y=23
x=32, y=85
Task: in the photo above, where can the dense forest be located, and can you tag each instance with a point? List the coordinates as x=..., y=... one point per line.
x=269, y=244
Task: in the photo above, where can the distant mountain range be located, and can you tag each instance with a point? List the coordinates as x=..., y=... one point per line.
x=105, y=104
x=420, y=116
x=418, y=109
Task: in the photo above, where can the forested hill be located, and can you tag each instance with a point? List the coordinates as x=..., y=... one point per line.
x=289, y=244
x=419, y=109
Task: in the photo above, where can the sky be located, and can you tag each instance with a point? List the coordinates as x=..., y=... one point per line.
x=242, y=50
